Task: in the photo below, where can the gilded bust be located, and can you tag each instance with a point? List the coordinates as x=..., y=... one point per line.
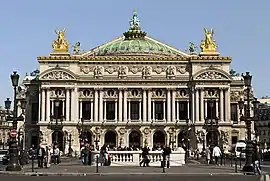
x=60, y=44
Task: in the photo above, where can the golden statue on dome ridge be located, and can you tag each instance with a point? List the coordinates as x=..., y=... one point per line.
x=60, y=45
x=208, y=45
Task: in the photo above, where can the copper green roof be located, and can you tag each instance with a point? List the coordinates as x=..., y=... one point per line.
x=135, y=42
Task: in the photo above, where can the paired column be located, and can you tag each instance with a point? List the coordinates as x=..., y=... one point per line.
x=129, y=110
x=76, y=105
x=101, y=105
x=149, y=106
x=115, y=110
x=92, y=110
x=144, y=106
x=227, y=105
x=177, y=110
x=154, y=114
x=164, y=110
x=140, y=110
x=43, y=105
x=197, y=105
x=67, y=105
x=193, y=104
x=96, y=106
x=205, y=108
x=125, y=105
x=80, y=109
x=168, y=105
x=104, y=111
x=221, y=105
x=173, y=106
x=48, y=105
x=202, y=105
x=120, y=97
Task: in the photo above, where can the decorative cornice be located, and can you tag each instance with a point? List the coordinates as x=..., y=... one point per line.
x=133, y=58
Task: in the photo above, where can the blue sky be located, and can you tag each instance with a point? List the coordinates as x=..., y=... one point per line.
x=242, y=29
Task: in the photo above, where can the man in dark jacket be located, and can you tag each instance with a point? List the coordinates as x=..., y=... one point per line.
x=256, y=158
x=145, y=159
x=166, y=156
x=40, y=156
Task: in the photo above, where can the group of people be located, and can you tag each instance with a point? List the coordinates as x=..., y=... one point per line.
x=46, y=155
x=216, y=153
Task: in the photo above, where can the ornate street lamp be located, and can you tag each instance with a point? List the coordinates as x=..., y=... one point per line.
x=247, y=118
x=7, y=105
x=13, y=147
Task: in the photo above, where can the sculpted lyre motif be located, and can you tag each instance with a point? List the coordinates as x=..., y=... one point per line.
x=208, y=44
x=60, y=44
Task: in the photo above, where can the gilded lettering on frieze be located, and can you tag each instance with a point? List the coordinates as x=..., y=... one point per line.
x=211, y=83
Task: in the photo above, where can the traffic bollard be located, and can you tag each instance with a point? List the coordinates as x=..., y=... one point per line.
x=97, y=164
x=163, y=165
x=235, y=166
x=231, y=160
x=33, y=159
x=240, y=161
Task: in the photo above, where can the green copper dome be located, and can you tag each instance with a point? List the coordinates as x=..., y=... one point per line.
x=135, y=42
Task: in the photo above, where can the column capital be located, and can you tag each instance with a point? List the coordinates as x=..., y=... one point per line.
x=98, y=88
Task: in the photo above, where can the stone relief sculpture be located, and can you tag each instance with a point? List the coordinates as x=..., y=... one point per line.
x=225, y=137
x=98, y=72
x=110, y=69
x=57, y=75
x=122, y=72
x=134, y=69
x=86, y=69
x=182, y=69
x=158, y=69
x=236, y=95
x=146, y=72
x=211, y=76
x=170, y=72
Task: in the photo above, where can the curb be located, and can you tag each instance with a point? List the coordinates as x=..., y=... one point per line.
x=111, y=174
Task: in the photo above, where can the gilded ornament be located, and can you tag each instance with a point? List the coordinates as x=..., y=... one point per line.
x=60, y=45
x=208, y=45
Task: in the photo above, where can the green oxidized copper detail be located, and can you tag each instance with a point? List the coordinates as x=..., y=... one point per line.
x=134, y=29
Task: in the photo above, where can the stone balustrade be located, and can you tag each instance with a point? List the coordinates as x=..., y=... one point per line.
x=133, y=158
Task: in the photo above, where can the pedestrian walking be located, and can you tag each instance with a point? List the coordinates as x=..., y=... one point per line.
x=40, y=156
x=256, y=158
x=207, y=155
x=166, y=156
x=145, y=160
x=48, y=157
x=216, y=154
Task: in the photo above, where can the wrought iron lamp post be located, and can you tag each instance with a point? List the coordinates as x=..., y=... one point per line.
x=13, y=147
x=247, y=118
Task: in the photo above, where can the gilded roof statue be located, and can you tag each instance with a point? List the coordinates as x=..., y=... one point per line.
x=60, y=45
x=208, y=45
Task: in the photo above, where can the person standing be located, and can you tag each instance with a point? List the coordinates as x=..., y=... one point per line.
x=207, y=155
x=166, y=156
x=256, y=158
x=48, y=157
x=145, y=161
x=216, y=154
x=40, y=156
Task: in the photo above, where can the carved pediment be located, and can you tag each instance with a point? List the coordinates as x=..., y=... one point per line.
x=211, y=74
x=57, y=75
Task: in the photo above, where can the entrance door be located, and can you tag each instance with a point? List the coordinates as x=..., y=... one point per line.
x=110, y=139
x=212, y=139
x=58, y=138
x=159, y=139
x=134, y=139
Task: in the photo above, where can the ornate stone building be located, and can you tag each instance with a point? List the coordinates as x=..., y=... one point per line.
x=135, y=91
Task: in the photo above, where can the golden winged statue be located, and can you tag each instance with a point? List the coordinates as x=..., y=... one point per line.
x=60, y=45
x=208, y=44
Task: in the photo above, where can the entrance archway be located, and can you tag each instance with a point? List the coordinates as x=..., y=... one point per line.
x=159, y=139
x=181, y=139
x=86, y=138
x=209, y=138
x=58, y=138
x=135, y=139
x=110, y=139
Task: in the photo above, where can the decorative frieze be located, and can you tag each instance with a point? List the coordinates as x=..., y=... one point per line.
x=122, y=72
x=182, y=94
x=146, y=72
x=236, y=95
x=57, y=75
x=170, y=72
x=86, y=93
x=135, y=93
x=182, y=69
x=98, y=72
x=211, y=75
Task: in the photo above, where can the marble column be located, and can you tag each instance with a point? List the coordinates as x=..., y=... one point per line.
x=115, y=109
x=96, y=106
x=76, y=104
x=173, y=105
x=63, y=108
x=48, y=105
x=202, y=105
x=105, y=110
x=129, y=110
x=221, y=105
x=217, y=108
x=120, y=97
x=192, y=104
x=125, y=110
x=140, y=110
x=67, y=104
x=227, y=105
x=164, y=110
x=81, y=110
x=197, y=106
x=168, y=105
x=144, y=106
x=101, y=105
x=177, y=110
x=154, y=114
x=43, y=104
x=205, y=108
x=149, y=105
x=92, y=110
x=188, y=114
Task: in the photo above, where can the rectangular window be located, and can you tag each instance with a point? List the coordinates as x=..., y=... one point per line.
x=183, y=110
x=134, y=110
x=58, y=109
x=234, y=113
x=110, y=110
x=86, y=110
x=211, y=109
x=34, y=113
x=159, y=110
